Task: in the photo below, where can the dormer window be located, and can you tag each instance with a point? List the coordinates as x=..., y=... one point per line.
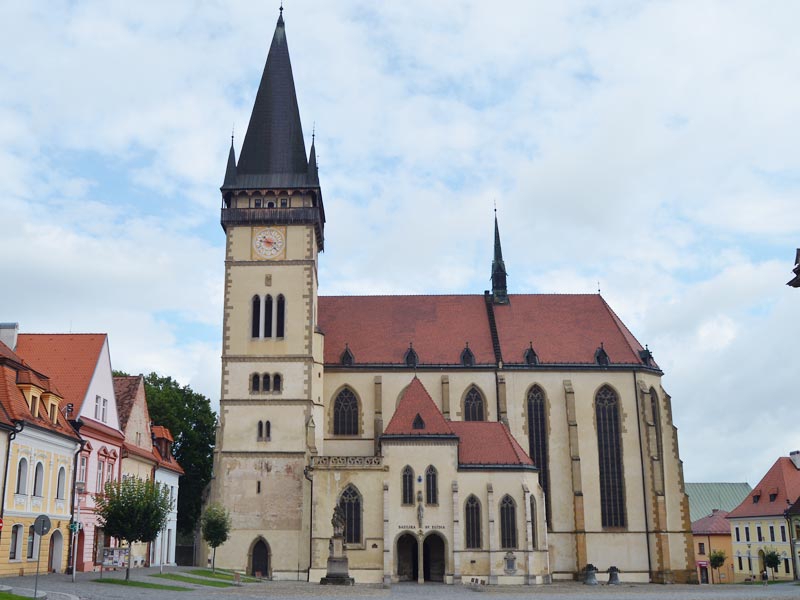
x=646, y=356
x=756, y=498
x=347, y=357
x=54, y=413
x=35, y=406
x=418, y=423
x=467, y=357
x=411, y=358
x=530, y=357
x=772, y=497
x=601, y=357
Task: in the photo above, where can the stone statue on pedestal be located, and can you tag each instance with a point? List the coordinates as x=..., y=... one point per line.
x=338, y=570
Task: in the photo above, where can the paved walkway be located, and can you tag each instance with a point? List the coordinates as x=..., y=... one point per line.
x=60, y=587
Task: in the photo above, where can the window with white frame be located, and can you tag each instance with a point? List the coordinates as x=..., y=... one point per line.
x=104, y=414
x=97, y=401
x=62, y=483
x=16, y=541
x=38, y=480
x=101, y=464
x=22, y=476
x=82, y=470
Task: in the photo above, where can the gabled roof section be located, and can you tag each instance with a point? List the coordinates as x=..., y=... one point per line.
x=69, y=359
x=713, y=524
x=160, y=432
x=705, y=497
x=417, y=402
x=488, y=444
x=125, y=391
x=273, y=153
x=782, y=480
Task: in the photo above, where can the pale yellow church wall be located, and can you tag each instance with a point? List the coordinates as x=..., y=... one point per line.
x=293, y=379
x=240, y=431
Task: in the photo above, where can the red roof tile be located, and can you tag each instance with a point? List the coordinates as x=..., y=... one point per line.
x=167, y=462
x=162, y=432
x=713, y=524
x=565, y=328
x=125, y=391
x=414, y=401
x=378, y=329
x=68, y=358
x=488, y=443
x=783, y=479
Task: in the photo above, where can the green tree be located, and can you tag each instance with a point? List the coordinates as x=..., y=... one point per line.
x=132, y=510
x=215, y=525
x=772, y=559
x=716, y=559
x=189, y=418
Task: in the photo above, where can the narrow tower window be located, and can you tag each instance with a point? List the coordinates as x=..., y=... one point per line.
x=408, y=485
x=431, y=486
x=256, y=316
x=508, y=523
x=268, y=316
x=260, y=430
x=277, y=382
x=609, y=449
x=473, y=405
x=255, y=384
x=472, y=522
x=265, y=380
x=281, y=320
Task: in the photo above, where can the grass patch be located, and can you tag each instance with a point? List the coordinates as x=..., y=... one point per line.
x=142, y=584
x=10, y=596
x=197, y=580
x=222, y=574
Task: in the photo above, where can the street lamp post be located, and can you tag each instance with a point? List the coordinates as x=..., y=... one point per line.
x=750, y=562
x=79, y=487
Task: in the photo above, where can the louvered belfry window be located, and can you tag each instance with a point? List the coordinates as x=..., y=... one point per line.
x=537, y=438
x=473, y=405
x=609, y=449
x=256, y=318
x=408, y=485
x=345, y=413
x=508, y=523
x=350, y=501
x=472, y=522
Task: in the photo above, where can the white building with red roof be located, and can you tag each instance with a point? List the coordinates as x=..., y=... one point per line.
x=546, y=403
x=760, y=524
x=80, y=366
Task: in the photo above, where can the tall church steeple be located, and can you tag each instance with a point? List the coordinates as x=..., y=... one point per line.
x=499, y=288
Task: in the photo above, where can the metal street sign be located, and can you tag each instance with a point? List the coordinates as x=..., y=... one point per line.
x=42, y=525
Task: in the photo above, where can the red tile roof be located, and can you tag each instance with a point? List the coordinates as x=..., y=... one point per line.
x=378, y=329
x=783, y=479
x=488, y=443
x=167, y=462
x=566, y=328
x=162, y=432
x=125, y=391
x=713, y=524
x=480, y=443
x=414, y=401
x=15, y=372
x=68, y=358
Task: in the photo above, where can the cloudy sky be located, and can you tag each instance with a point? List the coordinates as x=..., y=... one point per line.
x=650, y=147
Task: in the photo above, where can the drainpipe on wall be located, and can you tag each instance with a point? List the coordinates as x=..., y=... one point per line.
x=73, y=546
x=644, y=486
x=306, y=472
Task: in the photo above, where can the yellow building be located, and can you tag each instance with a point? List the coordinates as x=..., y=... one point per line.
x=41, y=449
x=713, y=533
x=758, y=525
x=310, y=383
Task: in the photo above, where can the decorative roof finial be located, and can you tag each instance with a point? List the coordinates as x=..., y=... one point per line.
x=313, y=131
x=233, y=130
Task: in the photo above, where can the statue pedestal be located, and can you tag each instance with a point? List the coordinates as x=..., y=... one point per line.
x=338, y=570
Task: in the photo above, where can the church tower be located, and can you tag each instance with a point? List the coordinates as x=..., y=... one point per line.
x=273, y=218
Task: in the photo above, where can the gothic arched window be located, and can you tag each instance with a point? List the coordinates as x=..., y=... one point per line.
x=350, y=502
x=533, y=521
x=268, y=316
x=609, y=449
x=472, y=522
x=473, y=405
x=418, y=423
x=508, y=522
x=256, y=318
x=345, y=413
x=267, y=430
x=431, y=486
x=255, y=382
x=265, y=382
x=260, y=435
x=408, y=485
x=277, y=382
x=281, y=319
x=537, y=437
x=656, y=422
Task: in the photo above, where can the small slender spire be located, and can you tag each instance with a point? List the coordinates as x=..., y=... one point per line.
x=230, y=170
x=313, y=168
x=499, y=286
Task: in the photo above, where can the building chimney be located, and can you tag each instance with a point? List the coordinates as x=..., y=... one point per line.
x=8, y=334
x=795, y=456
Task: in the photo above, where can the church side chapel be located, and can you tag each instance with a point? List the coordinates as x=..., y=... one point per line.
x=492, y=438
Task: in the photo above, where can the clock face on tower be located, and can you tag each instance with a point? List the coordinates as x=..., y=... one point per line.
x=268, y=243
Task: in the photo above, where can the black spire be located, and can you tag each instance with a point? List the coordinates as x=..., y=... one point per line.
x=273, y=148
x=313, y=171
x=499, y=288
x=230, y=170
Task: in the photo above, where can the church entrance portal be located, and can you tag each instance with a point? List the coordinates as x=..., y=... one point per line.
x=260, y=560
x=433, y=558
x=407, y=560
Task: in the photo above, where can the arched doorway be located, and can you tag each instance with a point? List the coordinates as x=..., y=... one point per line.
x=260, y=561
x=407, y=559
x=55, y=552
x=433, y=558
